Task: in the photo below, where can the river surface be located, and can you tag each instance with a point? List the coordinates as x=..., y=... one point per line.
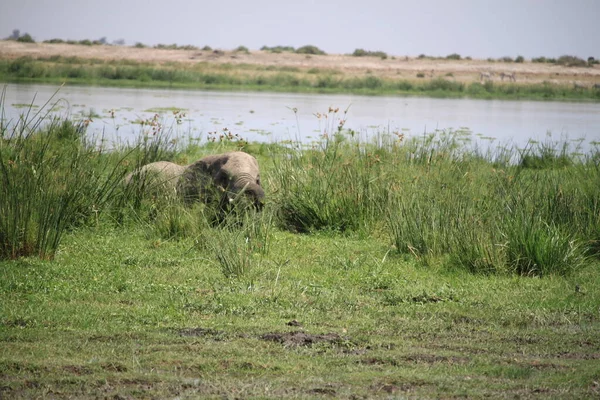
x=116, y=114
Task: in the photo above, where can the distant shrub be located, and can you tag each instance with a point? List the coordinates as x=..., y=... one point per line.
x=54, y=41
x=453, y=56
x=571, y=61
x=491, y=60
x=278, y=49
x=421, y=56
x=506, y=59
x=174, y=46
x=519, y=59
x=207, y=48
x=26, y=38
x=85, y=42
x=187, y=47
x=140, y=45
x=592, y=61
x=309, y=49
x=365, y=53
x=539, y=60
x=242, y=49
x=420, y=75
x=468, y=58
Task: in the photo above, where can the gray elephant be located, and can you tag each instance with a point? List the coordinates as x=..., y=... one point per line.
x=224, y=179
x=158, y=177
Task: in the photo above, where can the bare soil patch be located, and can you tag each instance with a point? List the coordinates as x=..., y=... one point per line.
x=295, y=339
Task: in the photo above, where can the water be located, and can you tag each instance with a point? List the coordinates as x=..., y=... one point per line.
x=269, y=117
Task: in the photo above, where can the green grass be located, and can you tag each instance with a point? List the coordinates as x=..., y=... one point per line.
x=58, y=69
x=383, y=267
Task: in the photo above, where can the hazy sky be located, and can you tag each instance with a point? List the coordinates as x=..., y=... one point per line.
x=476, y=28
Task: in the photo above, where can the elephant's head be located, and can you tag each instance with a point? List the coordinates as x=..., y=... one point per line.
x=228, y=178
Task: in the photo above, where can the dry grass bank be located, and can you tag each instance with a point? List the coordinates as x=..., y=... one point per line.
x=400, y=67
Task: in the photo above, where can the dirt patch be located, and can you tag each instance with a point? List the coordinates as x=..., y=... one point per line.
x=113, y=367
x=296, y=339
x=325, y=391
x=77, y=370
x=578, y=356
x=434, y=359
x=200, y=332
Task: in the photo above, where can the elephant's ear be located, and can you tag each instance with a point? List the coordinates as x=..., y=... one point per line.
x=214, y=163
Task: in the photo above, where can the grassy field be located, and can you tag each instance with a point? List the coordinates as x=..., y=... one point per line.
x=379, y=268
x=278, y=78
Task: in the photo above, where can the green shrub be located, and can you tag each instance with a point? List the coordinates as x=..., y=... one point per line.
x=242, y=49
x=364, y=53
x=278, y=49
x=26, y=38
x=310, y=50
x=519, y=59
x=571, y=61
x=453, y=56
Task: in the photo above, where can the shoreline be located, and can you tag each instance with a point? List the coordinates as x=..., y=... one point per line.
x=120, y=66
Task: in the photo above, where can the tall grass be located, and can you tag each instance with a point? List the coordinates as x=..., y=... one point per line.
x=336, y=183
x=530, y=212
x=51, y=179
x=440, y=199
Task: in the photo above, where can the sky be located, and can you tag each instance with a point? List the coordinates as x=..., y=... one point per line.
x=475, y=28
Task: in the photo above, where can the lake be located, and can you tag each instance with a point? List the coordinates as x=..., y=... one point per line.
x=273, y=117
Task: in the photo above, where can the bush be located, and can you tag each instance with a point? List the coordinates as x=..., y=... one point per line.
x=519, y=59
x=54, y=41
x=140, y=45
x=453, y=56
x=242, y=49
x=26, y=38
x=278, y=49
x=571, y=61
x=506, y=59
x=313, y=50
x=364, y=53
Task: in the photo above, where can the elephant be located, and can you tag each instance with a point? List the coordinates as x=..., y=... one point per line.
x=224, y=179
x=160, y=177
